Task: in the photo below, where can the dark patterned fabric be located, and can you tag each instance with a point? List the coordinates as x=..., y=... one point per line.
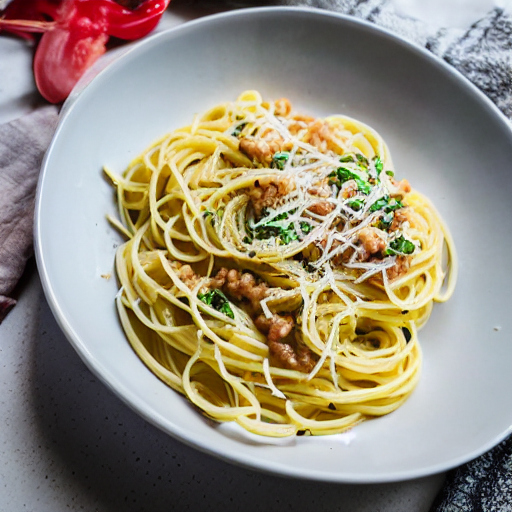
x=482, y=52
x=483, y=485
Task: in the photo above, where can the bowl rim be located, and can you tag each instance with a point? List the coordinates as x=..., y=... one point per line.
x=137, y=403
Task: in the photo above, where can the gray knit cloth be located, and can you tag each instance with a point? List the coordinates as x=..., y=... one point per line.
x=482, y=52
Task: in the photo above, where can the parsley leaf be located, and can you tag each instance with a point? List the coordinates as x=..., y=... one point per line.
x=355, y=204
x=379, y=165
x=279, y=160
x=342, y=174
x=275, y=229
x=394, y=204
x=385, y=221
x=400, y=245
x=379, y=204
x=386, y=204
x=306, y=227
x=238, y=130
x=266, y=212
x=218, y=301
x=363, y=161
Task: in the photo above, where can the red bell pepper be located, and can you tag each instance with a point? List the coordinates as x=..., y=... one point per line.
x=75, y=33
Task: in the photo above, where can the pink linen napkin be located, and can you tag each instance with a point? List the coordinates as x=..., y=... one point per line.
x=22, y=146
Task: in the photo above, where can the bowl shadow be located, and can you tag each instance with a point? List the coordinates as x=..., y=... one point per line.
x=101, y=452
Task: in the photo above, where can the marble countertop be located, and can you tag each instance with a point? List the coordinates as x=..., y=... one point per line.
x=67, y=443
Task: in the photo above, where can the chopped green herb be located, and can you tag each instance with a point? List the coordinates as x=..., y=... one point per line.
x=362, y=159
x=288, y=234
x=385, y=221
x=266, y=212
x=400, y=245
x=275, y=229
x=306, y=227
x=279, y=160
x=390, y=173
x=238, y=130
x=379, y=166
x=379, y=204
x=355, y=204
x=394, y=204
x=347, y=158
x=342, y=174
x=363, y=186
x=218, y=301
x=386, y=204
x=207, y=213
x=281, y=216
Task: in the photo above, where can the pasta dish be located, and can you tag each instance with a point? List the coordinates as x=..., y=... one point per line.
x=276, y=272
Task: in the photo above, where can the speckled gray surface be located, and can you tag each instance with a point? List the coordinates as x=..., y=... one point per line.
x=67, y=443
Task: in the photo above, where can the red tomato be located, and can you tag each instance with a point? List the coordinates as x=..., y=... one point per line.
x=75, y=35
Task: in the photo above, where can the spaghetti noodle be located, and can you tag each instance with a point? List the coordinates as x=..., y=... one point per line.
x=276, y=273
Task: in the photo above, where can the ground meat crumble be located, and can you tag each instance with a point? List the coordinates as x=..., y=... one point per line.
x=288, y=353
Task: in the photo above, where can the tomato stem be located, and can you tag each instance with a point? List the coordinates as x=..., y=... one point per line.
x=27, y=25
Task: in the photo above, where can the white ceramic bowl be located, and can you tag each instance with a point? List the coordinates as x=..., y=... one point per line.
x=444, y=136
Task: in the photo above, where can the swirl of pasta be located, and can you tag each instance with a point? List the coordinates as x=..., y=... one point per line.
x=275, y=272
